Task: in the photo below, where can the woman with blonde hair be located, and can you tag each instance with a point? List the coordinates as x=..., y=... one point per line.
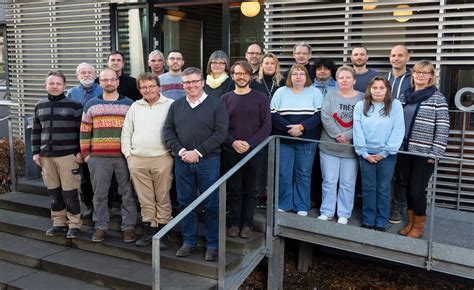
x=426, y=132
x=269, y=77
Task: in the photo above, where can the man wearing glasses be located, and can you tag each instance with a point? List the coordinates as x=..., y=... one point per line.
x=172, y=81
x=101, y=127
x=195, y=128
x=253, y=57
x=148, y=157
x=302, y=55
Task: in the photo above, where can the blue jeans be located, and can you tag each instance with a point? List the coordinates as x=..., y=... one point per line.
x=333, y=170
x=296, y=164
x=189, y=179
x=376, y=190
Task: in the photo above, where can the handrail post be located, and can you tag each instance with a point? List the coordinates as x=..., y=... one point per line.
x=222, y=235
x=463, y=135
x=270, y=196
x=429, y=261
x=156, y=263
x=12, y=155
x=276, y=183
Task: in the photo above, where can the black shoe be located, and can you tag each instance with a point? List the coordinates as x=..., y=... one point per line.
x=185, y=250
x=368, y=227
x=147, y=236
x=165, y=240
x=211, y=254
x=55, y=231
x=380, y=229
x=73, y=233
x=395, y=217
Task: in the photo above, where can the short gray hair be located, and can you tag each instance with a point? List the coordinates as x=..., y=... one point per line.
x=156, y=52
x=192, y=70
x=303, y=44
x=83, y=65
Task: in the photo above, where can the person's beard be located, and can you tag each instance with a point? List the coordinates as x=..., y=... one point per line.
x=242, y=86
x=87, y=82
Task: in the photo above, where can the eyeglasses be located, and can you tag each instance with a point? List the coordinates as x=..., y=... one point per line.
x=108, y=80
x=422, y=73
x=241, y=74
x=296, y=75
x=148, y=88
x=217, y=62
x=253, y=53
x=195, y=82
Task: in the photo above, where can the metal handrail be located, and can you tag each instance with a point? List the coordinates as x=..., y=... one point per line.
x=271, y=213
x=220, y=184
x=11, y=151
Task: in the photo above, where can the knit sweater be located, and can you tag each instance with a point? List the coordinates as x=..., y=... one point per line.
x=56, y=124
x=203, y=128
x=336, y=116
x=430, y=126
x=382, y=134
x=101, y=126
x=142, y=132
x=171, y=86
x=249, y=117
x=304, y=108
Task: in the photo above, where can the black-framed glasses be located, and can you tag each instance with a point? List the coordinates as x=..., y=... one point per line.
x=195, y=82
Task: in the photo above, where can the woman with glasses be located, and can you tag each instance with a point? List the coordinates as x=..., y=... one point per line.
x=426, y=132
x=269, y=76
x=378, y=134
x=338, y=162
x=218, y=81
x=295, y=112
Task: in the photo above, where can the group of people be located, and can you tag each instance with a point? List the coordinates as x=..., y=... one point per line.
x=137, y=135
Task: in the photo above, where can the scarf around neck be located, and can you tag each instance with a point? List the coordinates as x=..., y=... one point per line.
x=415, y=97
x=215, y=83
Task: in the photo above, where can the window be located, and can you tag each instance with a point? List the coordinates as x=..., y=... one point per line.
x=3, y=61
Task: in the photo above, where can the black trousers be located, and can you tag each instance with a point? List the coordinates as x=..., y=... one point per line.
x=416, y=173
x=242, y=187
x=86, y=185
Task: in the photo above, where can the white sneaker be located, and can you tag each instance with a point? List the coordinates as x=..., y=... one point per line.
x=342, y=221
x=302, y=213
x=324, y=217
x=280, y=210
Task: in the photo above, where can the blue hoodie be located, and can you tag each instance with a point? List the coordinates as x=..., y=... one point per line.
x=399, y=84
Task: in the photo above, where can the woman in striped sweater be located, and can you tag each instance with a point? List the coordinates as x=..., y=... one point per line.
x=426, y=132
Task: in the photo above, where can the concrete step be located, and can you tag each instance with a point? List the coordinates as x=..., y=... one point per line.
x=32, y=185
x=14, y=276
x=88, y=266
x=34, y=227
x=40, y=205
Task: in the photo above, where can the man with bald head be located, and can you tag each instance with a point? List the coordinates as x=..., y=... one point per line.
x=101, y=128
x=253, y=55
x=400, y=80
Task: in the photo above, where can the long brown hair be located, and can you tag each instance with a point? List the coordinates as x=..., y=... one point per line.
x=387, y=101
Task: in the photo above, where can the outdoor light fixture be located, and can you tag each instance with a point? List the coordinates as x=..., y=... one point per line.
x=369, y=7
x=250, y=8
x=405, y=13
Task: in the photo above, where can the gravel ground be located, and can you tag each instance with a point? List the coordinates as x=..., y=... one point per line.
x=331, y=269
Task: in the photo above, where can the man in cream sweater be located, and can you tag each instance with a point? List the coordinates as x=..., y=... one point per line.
x=148, y=157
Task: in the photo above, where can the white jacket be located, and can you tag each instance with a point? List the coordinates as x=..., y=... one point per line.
x=142, y=132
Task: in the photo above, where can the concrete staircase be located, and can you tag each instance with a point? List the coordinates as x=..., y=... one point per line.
x=30, y=259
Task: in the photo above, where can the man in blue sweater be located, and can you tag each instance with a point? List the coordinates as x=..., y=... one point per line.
x=359, y=59
x=195, y=128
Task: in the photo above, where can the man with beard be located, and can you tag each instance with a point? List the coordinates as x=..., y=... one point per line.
x=172, y=81
x=156, y=62
x=101, y=127
x=195, y=128
x=253, y=55
x=249, y=124
x=324, y=80
x=400, y=79
x=55, y=147
x=84, y=92
x=128, y=84
x=359, y=59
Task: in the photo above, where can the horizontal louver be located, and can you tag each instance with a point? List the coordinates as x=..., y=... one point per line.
x=47, y=35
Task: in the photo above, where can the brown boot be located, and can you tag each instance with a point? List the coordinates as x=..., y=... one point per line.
x=409, y=225
x=418, y=227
